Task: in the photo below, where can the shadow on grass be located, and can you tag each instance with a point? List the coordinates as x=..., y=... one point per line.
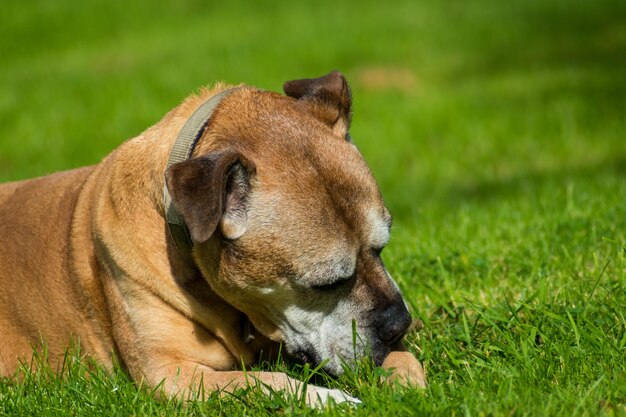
x=530, y=181
x=542, y=35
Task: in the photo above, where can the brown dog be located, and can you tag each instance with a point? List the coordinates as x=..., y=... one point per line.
x=285, y=225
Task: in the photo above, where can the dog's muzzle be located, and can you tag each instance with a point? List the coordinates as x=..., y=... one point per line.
x=390, y=322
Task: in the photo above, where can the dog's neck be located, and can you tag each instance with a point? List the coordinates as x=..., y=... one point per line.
x=182, y=149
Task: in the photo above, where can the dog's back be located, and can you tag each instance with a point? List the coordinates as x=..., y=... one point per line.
x=36, y=295
x=7, y=190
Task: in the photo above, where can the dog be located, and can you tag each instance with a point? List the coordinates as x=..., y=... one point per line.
x=242, y=220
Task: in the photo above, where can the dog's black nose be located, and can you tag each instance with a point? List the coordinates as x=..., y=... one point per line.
x=392, y=322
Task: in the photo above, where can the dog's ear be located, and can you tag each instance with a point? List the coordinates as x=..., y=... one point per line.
x=212, y=190
x=328, y=97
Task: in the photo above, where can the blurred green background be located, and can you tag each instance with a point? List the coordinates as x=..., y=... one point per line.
x=451, y=98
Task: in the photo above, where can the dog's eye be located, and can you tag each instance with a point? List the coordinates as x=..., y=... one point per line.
x=329, y=287
x=333, y=285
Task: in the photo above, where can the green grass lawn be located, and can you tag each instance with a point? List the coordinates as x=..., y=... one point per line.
x=497, y=131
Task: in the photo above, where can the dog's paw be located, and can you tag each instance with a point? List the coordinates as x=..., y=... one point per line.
x=405, y=369
x=318, y=397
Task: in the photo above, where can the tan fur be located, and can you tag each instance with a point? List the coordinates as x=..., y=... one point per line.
x=85, y=254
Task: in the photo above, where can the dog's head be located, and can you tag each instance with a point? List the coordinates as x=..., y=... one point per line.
x=288, y=222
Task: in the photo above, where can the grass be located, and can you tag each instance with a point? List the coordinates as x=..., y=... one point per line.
x=496, y=131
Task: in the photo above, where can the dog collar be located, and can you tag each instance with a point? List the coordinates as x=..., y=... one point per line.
x=183, y=147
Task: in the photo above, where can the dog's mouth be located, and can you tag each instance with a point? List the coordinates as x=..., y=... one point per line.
x=376, y=354
x=304, y=357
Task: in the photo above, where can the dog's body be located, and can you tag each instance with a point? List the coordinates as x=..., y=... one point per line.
x=286, y=222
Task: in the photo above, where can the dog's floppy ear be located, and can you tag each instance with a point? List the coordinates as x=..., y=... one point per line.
x=212, y=190
x=328, y=98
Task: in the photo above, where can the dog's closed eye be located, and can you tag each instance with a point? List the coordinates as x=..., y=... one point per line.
x=335, y=284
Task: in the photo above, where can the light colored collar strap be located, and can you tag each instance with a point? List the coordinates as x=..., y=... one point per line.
x=183, y=147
